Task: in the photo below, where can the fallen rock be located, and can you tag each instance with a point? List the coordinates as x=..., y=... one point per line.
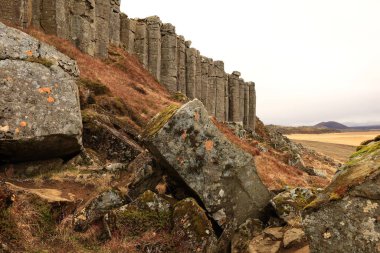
x=244, y=234
x=220, y=174
x=260, y=244
x=345, y=216
x=97, y=207
x=275, y=233
x=40, y=114
x=293, y=236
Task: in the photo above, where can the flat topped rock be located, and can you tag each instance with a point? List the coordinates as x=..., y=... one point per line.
x=39, y=105
x=194, y=151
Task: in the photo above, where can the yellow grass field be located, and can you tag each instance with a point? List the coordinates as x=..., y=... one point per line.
x=339, y=146
x=346, y=138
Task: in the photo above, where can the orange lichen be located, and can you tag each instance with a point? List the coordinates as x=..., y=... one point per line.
x=184, y=135
x=196, y=116
x=17, y=131
x=29, y=53
x=46, y=90
x=209, y=145
x=50, y=99
x=56, y=85
x=23, y=124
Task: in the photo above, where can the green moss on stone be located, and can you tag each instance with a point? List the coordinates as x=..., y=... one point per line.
x=42, y=61
x=370, y=148
x=159, y=121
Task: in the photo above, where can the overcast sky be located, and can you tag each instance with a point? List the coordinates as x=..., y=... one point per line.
x=311, y=61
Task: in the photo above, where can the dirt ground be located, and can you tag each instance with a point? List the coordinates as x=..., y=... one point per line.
x=346, y=138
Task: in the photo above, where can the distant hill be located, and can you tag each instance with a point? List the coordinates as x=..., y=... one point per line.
x=331, y=125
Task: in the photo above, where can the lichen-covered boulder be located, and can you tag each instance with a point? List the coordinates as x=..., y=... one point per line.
x=39, y=104
x=345, y=216
x=220, y=174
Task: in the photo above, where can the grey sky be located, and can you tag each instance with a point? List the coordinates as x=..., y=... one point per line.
x=312, y=61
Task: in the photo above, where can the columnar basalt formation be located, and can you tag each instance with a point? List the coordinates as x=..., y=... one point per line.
x=94, y=25
x=154, y=46
x=169, y=65
x=234, y=97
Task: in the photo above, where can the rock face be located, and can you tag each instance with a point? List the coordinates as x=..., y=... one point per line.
x=40, y=113
x=218, y=173
x=345, y=216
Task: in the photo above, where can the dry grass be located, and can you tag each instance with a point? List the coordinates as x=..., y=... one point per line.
x=346, y=138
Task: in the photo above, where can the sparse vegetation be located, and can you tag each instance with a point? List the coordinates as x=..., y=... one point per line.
x=47, y=63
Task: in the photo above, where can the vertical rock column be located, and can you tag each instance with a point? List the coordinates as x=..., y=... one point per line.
x=154, y=46
x=141, y=42
x=191, y=69
x=114, y=24
x=181, y=64
x=17, y=12
x=127, y=33
x=220, y=91
x=246, y=106
x=226, y=98
x=169, y=67
x=198, y=76
x=252, y=106
x=36, y=12
x=82, y=26
x=205, y=63
x=234, y=90
x=211, y=91
x=241, y=99
x=102, y=21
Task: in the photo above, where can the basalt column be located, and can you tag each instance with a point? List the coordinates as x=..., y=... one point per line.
x=246, y=106
x=17, y=12
x=114, y=23
x=127, y=33
x=220, y=91
x=205, y=64
x=169, y=66
x=181, y=64
x=234, y=90
x=54, y=17
x=211, y=92
x=102, y=21
x=226, y=98
x=198, y=76
x=82, y=26
x=154, y=46
x=241, y=99
x=191, y=69
x=141, y=43
x=252, y=106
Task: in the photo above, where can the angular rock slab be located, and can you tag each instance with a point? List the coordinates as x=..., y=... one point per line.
x=219, y=173
x=39, y=103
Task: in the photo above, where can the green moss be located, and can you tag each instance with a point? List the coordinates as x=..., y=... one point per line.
x=159, y=121
x=180, y=97
x=42, y=61
x=366, y=150
x=8, y=227
x=45, y=221
x=97, y=87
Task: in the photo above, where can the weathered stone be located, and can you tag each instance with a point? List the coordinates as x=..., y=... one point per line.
x=114, y=22
x=141, y=42
x=211, y=91
x=96, y=208
x=198, y=76
x=241, y=99
x=102, y=25
x=260, y=244
x=275, y=233
x=54, y=17
x=154, y=46
x=244, y=234
x=169, y=62
x=181, y=64
x=205, y=63
x=252, y=106
x=127, y=33
x=16, y=12
x=191, y=72
x=345, y=215
x=293, y=236
x=246, y=106
x=40, y=114
x=226, y=98
x=221, y=175
x=220, y=91
x=234, y=91
x=193, y=227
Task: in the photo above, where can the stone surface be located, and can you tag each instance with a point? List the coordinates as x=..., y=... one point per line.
x=345, y=215
x=260, y=244
x=241, y=99
x=221, y=175
x=234, y=102
x=169, y=62
x=275, y=233
x=191, y=72
x=252, y=106
x=127, y=33
x=154, y=46
x=114, y=22
x=181, y=64
x=205, y=63
x=40, y=114
x=211, y=90
x=293, y=236
x=220, y=91
x=141, y=42
x=198, y=75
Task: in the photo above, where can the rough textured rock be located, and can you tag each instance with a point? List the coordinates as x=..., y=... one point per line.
x=246, y=106
x=220, y=91
x=211, y=91
x=102, y=24
x=252, y=106
x=114, y=22
x=205, y=63
x=15, y=12
x=345, y=216
x=127, y=33
x=191, y=72
x=154, y=46
x=221, y=175
x=241, y=99
x=181, y=64
x=40, y=113
x=261, y=244
x=198, y=75
x=234, y=91
x=293, y=236
x=141, y=43
x=169, y=64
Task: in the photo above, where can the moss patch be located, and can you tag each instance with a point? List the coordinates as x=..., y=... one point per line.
x=97, y=87
x=159, y=121
x=8, y=227
x=42, y=61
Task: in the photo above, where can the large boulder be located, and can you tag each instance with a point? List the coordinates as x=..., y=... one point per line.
x=216, y=172
x=39, y=103
x=345, y=216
